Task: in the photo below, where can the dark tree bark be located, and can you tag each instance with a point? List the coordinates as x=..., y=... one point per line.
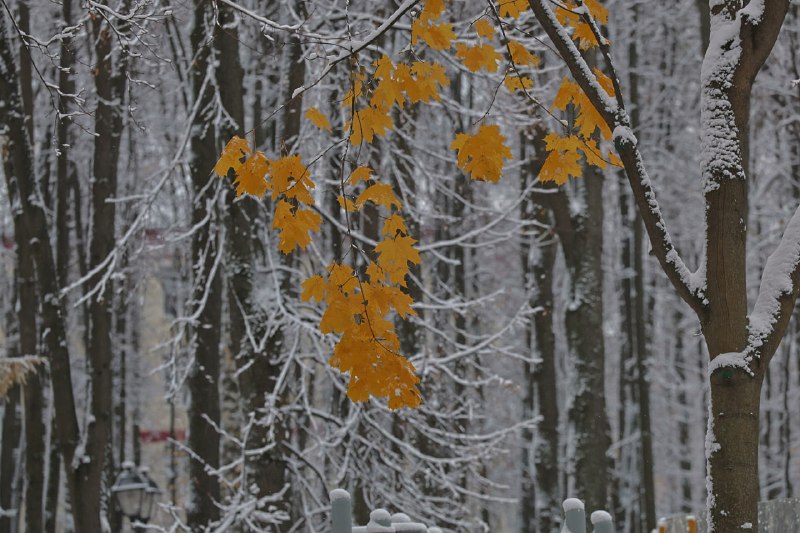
x=33, y=392
x=10, y=444
x=640, y=319
x=110, y=84
x=540, y=498
x=207, y=294
x=30, y=215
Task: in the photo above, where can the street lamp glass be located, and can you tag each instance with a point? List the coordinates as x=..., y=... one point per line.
x=129, y=490
x=150, y=495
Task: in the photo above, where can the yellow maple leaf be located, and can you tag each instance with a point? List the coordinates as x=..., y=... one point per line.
x=482, y=154
x=314, y=287
x=294, y=225
x=559, y=166
x=381, y=194
x=481, y=56
x=432, y=9
x=318, y=118
x=597, y=10
x=484, y=28
x=291, y=178
x=347, y=204
x=604, y=81
x=614, y=160
x=582, y=33
x=251, y=176
x=362, y=173
x=421, y=80
x=517, y=83
x=393, y=225
x=232, y=155
x=387, y=92
x=383, y=67
x=437, y=36
x=394, y=256
x=520, y=54
x=513, y=8
x=588, y=119
x=337, y=318
x=367, y=123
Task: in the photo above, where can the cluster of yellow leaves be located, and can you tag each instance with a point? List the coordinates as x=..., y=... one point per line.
x=360, y=307
x=564, y=153
x=581, y=31
x=393, y=85
x=482, y=154
x=290, y=183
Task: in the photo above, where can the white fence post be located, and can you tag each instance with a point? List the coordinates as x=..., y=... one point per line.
x=574, y=516
x=341, y=512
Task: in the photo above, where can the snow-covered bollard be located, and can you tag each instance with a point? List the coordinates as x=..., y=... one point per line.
x=402, y=523
x=602, y=522
x=380, y=521
x=574, y=516
x=341, y=512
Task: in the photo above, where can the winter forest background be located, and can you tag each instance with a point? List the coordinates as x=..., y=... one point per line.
x=544, y=326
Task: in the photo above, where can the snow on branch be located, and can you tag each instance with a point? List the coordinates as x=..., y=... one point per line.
x=780, y=284
x=690, y=286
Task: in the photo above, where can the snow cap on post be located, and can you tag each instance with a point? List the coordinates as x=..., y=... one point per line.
x=574, y=516
x=341, y=512
x=601, y=521
x=380, y=521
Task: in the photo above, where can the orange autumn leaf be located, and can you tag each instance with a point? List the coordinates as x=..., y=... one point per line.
x=484, y=28
x=381, y=194
x=393, y=225
x=367, y=123
x=588, y=119
x=517, y=83
x=482, y=154
x=291, y=178
x=314, y=288
x=361, y=173
x=318, y=118
x=481, y=56
x=251, y=176
x=294, y=224
x=436, y=36
x=513, y=8
x=232, y=155
x=520, y=54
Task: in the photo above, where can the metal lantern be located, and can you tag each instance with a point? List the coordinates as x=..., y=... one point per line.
x=130, y=489
x=150, y=496
x=135, y=492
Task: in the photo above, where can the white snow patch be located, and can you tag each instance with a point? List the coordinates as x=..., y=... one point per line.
x=776, y=281
x=747, y=525
x=624, y=134
x=730, y=360
x=572, y=503
x=339, y=494
x=600, y=517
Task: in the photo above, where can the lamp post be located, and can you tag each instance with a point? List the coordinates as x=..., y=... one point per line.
x=135, y=493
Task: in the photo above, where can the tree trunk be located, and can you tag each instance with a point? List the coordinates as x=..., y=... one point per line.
x=30, y=215
x=204, y=410
x=33, y=391
x=108, y=129
x=540, y=498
